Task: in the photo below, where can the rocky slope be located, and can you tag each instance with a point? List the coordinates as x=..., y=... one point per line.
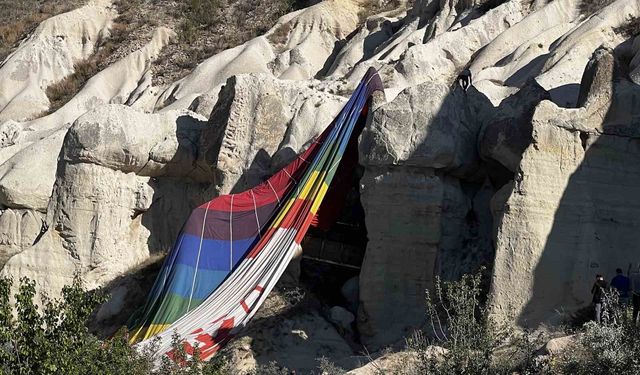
x=530, y=172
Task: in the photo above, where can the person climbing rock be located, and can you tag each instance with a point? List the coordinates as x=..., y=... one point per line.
x=635, y=294
x=598, y=290
x=464, y=80
x=44, y=227
x=622, y=284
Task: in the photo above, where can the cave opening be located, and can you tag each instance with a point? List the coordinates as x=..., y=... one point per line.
x=333, y=255
x=331, y=261
x=334, y=247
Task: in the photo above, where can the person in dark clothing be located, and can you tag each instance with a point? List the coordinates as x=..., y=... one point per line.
x=622, y=285
x=598, y=291
x=464, y=80
x=635, y=295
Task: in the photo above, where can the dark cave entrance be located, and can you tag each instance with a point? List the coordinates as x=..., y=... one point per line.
x=331, y=261
x=334, y=255
x=334, y=247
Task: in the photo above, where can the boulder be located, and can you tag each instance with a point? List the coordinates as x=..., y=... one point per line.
x=559, y=345
x=451, y=175
x=341, y=317
x=350, y=292
x=103, y=219
x=294, y=337
x=415, y=151
x=399, y=362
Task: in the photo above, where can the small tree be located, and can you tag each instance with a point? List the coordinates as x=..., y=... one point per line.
x=459, y=321
x=54, y=339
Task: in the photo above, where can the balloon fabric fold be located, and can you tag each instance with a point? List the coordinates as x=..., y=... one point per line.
x=233, y=249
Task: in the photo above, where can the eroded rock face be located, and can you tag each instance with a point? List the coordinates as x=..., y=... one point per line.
x=20, y=229
x=416, y=151
x=103, y=219
x=507, y=133
x=451, y=179
x=30, y=150
x=569, y=216
x=48, y=55
x=259, y=125
x=297, y=48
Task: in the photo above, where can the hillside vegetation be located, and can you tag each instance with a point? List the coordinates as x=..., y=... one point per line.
x=18, y=18
x=203, y=27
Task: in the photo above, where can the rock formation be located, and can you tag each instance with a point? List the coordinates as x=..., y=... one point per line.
x=47, y=56
x=530, y=172
x=570, y=212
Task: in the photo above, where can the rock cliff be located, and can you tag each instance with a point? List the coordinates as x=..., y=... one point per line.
x=530, y=172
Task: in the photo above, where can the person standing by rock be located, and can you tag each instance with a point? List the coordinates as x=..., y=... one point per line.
x=464, y=80
x=598, y=290
x=622, y=284
x=635, y=295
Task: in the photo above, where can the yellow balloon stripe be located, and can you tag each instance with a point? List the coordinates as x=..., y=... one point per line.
x=310, y=184
x=318, y=199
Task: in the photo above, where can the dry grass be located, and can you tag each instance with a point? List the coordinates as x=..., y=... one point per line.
x=629, y=29
x=589, y=7
x=280, y=35
x=371, y=7
x=205, y=27
x=202, y=12
x=18, y=18
x=61, y=92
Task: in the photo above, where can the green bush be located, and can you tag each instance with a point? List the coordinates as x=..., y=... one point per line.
x=611, y=347
x=459, y=322
x=54, y=338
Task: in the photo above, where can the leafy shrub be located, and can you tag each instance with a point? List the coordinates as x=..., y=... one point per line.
x=54, y=339
x=325, y=366
x=473, y=343
x=459, y=322
x=611, y=347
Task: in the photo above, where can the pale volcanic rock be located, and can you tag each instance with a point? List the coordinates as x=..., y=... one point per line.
x=48, y=55
x=452, y=178
x=113, y=85
x=259, y=125
x=570, y=213
x=104, y=219
x=296, y=48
